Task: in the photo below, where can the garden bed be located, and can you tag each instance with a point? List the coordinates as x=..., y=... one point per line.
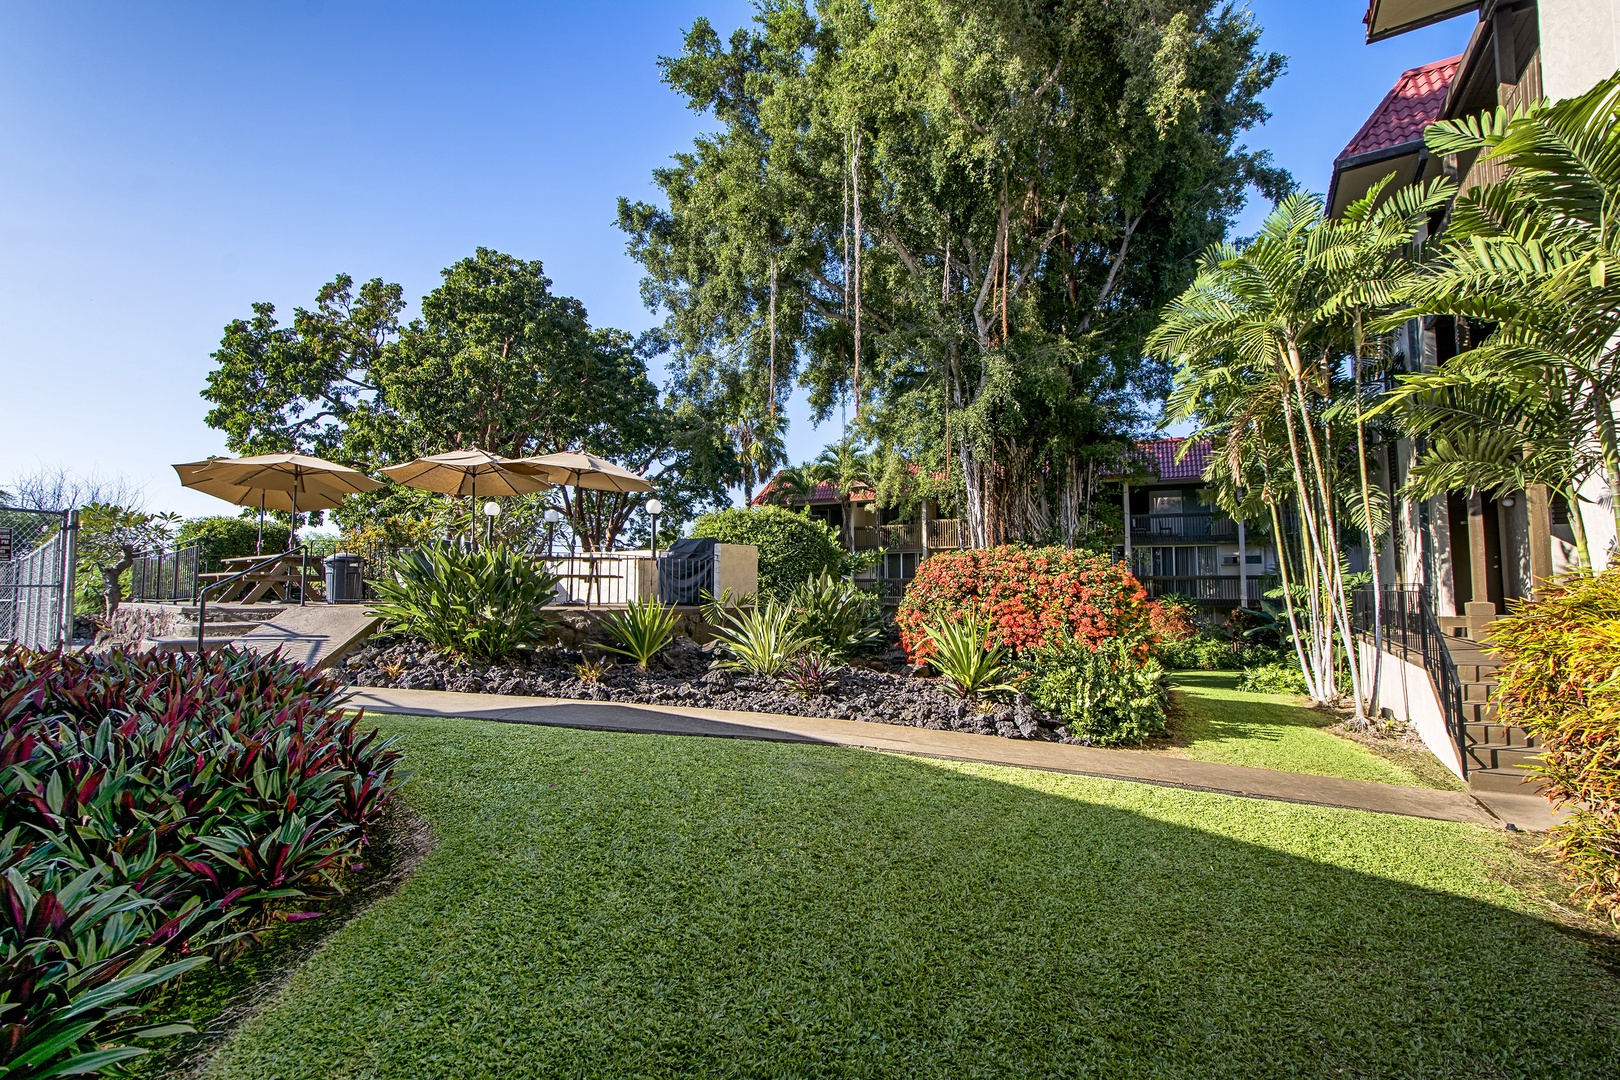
x=687, y=674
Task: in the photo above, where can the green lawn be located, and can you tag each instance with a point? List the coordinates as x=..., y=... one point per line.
x=606, y=905
x=1214, y=721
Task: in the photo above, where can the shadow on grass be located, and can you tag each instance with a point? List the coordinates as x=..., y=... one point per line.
x=604, y=905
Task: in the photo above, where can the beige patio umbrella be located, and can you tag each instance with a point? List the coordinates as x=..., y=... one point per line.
x=580, y=470
x=290, y=482
x=472, y=473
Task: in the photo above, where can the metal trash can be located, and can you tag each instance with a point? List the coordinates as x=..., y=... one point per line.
x=344, y=584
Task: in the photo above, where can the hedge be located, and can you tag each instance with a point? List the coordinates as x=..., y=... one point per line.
x=1560, y=680
x=1027, y=597
x=793, y=548
x=230, y=538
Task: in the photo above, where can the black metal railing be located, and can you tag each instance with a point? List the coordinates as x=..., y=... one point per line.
x=166, y=575
x=1217, y=589
x=302, y=551
x=1408, y=627
x=1175, y=527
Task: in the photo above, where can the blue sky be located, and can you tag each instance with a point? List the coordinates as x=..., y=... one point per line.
x=167, y=164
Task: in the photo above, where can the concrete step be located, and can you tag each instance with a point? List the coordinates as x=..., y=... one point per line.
x=1499, y=735
x=1478, y=691
x=1516, y=781
x=232, y=628
x=1479, y=712
x=187, y=644
x=1485, y=757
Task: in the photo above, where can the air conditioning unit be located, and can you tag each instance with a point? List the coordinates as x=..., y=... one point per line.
x=1229, y=560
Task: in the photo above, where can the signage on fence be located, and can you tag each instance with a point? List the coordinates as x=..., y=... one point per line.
x=5, y=545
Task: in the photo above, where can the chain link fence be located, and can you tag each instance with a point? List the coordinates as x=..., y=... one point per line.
x=36, y=576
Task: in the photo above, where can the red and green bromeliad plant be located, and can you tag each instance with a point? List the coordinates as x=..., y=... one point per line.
x=1027, y=597
x=155, y=807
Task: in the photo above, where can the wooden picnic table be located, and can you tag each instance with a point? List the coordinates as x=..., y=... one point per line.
x=270, y=583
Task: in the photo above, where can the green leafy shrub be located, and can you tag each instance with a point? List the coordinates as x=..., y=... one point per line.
x=1560, y=680
x=485, y=604
x=762, y=640
x=1026, y=596
x=840, y=618
x=1107, y=694
x=152, y=805
x=793, y=548
x=966, y=656
x=640, y=631
x=230, y=538
x=1204, y=652
x=1273, y=677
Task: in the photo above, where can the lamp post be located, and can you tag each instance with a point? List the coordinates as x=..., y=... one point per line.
x=552, y=517
x=654, y=507
x=492, y=510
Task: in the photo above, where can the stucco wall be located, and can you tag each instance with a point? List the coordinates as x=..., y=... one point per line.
x=1580, y=44
x=1405, y=690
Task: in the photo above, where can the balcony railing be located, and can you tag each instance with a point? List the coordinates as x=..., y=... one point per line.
x=1147, y=528
x=1215, y=590
x=943, y=534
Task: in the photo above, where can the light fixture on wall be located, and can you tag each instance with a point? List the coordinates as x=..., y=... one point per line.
x=1507, y=500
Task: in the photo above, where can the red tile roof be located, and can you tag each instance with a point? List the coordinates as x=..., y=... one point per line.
x=824, y=492
x=1412, y=105
x=1160, y=455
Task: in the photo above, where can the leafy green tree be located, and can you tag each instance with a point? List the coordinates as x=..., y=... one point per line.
x=496, y=360
x=961, y=211
x=111, y=537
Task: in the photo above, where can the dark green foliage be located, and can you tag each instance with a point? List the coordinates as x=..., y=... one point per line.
x=151, y=804
x=230, y=538
x=640, y=631
x=1108, y=695
x=793, y=548
x=486, y=603
x=841, y=618
x=1025, y=185
x=964, y=654
x=1203, y=652
x=1274, y=677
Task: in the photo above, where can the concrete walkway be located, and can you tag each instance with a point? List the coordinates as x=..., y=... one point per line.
x=1137, y=765
x=314, y=635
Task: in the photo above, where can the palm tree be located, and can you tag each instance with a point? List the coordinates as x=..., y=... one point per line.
x=757, y=442
x=1534, y=258
x=1272, y=343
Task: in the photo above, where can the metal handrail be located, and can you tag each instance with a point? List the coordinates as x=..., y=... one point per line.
x=202, y=592
x=1406, y=615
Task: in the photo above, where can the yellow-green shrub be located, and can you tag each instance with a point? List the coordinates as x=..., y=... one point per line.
x=1560, y=680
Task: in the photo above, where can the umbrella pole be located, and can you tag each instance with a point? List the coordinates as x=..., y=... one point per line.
x=258, y=545
x=292, y=535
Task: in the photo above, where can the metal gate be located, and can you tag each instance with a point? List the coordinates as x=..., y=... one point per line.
x=36, y=576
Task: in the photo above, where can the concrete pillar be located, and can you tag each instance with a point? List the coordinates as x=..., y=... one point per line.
x=1126, y=497
x=1479, y=609
x=1243, y=565
x=1538, y=508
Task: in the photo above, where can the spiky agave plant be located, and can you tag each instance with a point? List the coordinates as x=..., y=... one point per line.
x=640, y=631
x=965, y=656
x=761, y=639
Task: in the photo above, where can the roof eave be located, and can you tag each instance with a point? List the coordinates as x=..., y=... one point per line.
x=1379, y=31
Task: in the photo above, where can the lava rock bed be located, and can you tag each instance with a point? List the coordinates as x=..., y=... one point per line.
x=689, y=674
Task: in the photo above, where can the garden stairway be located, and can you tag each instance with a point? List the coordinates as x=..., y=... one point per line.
x=226, y=623
x=1496, y=752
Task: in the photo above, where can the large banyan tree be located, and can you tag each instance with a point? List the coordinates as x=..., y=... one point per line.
x=956, y=220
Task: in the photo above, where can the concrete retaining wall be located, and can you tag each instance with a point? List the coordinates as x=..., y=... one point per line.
x=1405, y=690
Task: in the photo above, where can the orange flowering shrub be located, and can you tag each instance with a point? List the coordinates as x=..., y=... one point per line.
x=1027, y=597
x=1172, y=619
